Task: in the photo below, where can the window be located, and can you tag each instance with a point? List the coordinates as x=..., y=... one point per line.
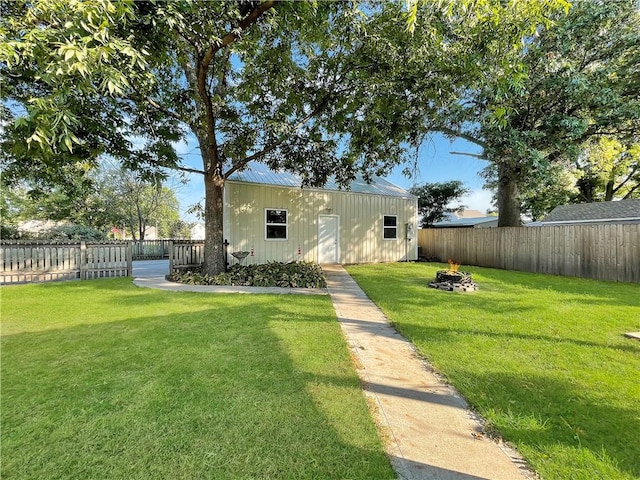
x=275, y=224
x=390, y=223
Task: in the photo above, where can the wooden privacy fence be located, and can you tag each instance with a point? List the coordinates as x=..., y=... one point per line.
x=41, y=261
x=185, y=254
x=602, y=252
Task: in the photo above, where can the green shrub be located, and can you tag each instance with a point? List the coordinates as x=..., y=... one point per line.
x=272, y=274
x=9, y=232
x=74, y=232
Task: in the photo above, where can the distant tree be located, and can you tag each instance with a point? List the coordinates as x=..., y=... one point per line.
x=29, y=201
x=605, y=170
x=177, y=229
x=434, y=200
x=107, y=197
x=608, y=170
x=137, y=203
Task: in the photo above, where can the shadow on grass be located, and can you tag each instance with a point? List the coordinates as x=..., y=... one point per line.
x=446, y=334
x=218, y=393
x=545, y=413
x=556, y=415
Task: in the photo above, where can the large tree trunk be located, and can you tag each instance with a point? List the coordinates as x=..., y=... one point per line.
x=213, y=224
x=508, y=197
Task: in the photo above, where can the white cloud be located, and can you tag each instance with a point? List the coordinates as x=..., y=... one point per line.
x=481, y=200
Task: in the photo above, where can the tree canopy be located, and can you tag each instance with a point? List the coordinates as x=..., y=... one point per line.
x=252, y=81
x=531, y=99
x=582, y=82
x=316, y=88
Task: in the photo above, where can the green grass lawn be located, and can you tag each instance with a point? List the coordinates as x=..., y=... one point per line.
x=542, y=358
x=101, y=379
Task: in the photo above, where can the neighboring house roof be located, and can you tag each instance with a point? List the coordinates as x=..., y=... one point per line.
x=466, y=213
x=38, y=226
x=618, y=211
x=467, y=222
x=451, y=216
x=260, y=174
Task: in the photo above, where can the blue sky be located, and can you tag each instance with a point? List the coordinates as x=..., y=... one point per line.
x=435, y=164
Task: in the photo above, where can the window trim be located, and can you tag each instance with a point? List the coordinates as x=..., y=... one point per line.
x=285, y=225
x=395, y=227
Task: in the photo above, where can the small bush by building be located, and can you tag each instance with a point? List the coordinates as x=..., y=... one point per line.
x=272, y=274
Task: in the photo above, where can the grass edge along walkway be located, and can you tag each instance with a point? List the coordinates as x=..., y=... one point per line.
x=432, y=433
x=101, y=379
x=542, y=358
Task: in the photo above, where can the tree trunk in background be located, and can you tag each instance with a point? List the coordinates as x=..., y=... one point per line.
x=609, y=191
x=508, y=197
x=587, y=189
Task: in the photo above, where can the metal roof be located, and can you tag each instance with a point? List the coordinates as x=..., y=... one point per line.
x=260, y=174
x=598, y=211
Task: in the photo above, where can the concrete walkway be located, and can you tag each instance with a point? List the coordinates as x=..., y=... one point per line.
x=428, y=430
x=431, y=432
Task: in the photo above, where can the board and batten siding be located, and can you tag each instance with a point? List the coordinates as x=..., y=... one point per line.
x=360, y=223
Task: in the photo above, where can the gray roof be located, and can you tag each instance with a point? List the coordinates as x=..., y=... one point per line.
x=599, y=211
x=260, y=174
x=465, y=222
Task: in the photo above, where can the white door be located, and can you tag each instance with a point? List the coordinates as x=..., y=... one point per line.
x=328, y=244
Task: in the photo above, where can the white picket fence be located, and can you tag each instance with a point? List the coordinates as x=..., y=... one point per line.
x=185, y=255
x=42, y=261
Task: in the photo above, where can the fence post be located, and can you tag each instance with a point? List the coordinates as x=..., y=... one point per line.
x=83, y=260
x=130, y=259
x=170, y=257
x=226, y=244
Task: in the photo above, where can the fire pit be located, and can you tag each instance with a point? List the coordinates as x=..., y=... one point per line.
x=454, y=280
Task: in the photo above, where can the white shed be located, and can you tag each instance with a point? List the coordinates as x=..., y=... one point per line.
x=271, y=216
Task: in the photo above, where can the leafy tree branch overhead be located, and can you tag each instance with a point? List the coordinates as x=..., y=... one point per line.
x=532, y=99
x=251, y=80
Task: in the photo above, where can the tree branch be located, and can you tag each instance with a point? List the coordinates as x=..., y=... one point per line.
x=630, y=192
x=235, y=33
x=623, y=182
x=189, y=170
x=474, y=155
x=269, y=148
x=159, y=107
x=465, y=136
